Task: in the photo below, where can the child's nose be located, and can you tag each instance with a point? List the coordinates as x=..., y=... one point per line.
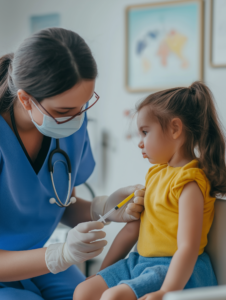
x=141, y=145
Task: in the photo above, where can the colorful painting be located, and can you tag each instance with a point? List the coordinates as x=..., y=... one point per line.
x=164, y=45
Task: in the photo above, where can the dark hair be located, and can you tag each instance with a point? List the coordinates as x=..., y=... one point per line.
x=196, y=109
x=46, y=64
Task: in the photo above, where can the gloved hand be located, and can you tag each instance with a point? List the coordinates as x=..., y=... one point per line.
x=80, y=245
x=127, y=213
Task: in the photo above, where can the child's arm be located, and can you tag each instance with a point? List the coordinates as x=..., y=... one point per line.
x=189, y=233
x=122, y=244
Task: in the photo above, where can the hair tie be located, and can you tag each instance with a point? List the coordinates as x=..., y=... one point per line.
x=192, y=91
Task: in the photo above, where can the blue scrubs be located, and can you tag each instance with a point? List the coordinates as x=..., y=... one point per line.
x=27, y=219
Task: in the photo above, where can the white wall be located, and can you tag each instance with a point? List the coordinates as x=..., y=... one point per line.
x=101, y=24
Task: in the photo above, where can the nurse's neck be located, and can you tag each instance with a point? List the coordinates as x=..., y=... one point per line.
x=29, y=135
x=22, y=118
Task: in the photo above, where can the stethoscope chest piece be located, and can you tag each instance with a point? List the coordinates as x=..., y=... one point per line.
x=53, y=200
x=68, y=200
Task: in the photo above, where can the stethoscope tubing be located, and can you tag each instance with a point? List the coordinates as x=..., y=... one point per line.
x=60, y=204
x=51, y=171
x=50, y=165
x=58, y=150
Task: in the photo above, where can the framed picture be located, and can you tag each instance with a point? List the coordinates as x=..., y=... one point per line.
x=164, y=45
x=218, y=34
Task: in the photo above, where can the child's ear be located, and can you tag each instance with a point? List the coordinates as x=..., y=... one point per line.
x=176, y=127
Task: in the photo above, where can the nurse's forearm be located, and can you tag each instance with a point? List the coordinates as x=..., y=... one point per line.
x=19, y=265
x=77, y=212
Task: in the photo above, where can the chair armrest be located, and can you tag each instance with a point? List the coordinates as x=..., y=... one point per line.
x=208, y=293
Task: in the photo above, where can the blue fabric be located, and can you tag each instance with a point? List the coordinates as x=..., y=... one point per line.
x=27, y=219
x=146, y=274
x=49, y=287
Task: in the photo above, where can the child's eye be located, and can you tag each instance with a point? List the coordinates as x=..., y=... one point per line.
x=144, y=132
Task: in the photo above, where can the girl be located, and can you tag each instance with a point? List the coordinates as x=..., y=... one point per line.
x=181, y=136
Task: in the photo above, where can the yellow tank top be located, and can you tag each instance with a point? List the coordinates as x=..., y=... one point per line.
x=159, y=220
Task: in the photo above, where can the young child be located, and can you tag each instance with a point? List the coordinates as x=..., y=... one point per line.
x=181, y=136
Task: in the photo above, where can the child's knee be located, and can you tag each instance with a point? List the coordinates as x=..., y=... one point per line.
x=109, y=295
x=81, y=292
x=92, y=288
x=120, y=292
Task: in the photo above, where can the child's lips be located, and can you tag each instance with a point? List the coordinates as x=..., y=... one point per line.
x=144, y=155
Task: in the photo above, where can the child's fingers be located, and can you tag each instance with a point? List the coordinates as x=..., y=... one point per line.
x=135, y=207
x=134, y=210
x=139, y=200
x=139, y=193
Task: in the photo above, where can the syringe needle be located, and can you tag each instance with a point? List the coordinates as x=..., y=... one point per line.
x=104, y=217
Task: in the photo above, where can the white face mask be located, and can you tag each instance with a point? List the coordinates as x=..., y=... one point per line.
x=50, y=128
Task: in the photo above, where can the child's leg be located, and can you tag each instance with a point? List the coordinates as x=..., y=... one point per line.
x=119, y=292
x=95, y=288
x=92, y=288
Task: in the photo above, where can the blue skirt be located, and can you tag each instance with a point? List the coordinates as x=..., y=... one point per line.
x=146, y=274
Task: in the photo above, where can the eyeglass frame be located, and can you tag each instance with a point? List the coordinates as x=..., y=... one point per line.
x=77, y=114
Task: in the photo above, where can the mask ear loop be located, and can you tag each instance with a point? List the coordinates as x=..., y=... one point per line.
x=38, y=109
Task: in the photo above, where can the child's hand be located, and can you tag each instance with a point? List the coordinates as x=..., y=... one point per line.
x=153, y=296
x=132, y=210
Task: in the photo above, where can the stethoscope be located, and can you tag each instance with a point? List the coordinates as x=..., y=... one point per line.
x=51, y=171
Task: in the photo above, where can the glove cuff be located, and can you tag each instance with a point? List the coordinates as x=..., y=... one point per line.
x=97, y=207
x=54, y=258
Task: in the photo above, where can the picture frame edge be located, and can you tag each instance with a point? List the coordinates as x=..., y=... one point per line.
x=202, y=39
x=211, y=40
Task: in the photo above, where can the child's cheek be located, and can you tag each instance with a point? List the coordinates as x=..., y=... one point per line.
x=151, y=146
x=155, y=149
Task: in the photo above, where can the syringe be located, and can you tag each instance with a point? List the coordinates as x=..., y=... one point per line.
x=104, y=217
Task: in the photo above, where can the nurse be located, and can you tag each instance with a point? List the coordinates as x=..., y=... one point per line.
x=45, y=88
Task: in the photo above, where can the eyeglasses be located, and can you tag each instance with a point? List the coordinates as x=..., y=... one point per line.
x=91, y=102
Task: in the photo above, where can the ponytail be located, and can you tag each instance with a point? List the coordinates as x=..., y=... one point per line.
x=6, y=97
x=210, y=139
x=196, y=108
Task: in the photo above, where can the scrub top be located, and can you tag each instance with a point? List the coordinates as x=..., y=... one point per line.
x=27, y=219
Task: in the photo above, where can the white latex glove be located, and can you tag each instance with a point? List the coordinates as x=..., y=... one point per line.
x=127, y=213
x=80, y=246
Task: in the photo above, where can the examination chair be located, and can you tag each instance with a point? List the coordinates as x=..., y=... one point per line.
x=216, y=249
